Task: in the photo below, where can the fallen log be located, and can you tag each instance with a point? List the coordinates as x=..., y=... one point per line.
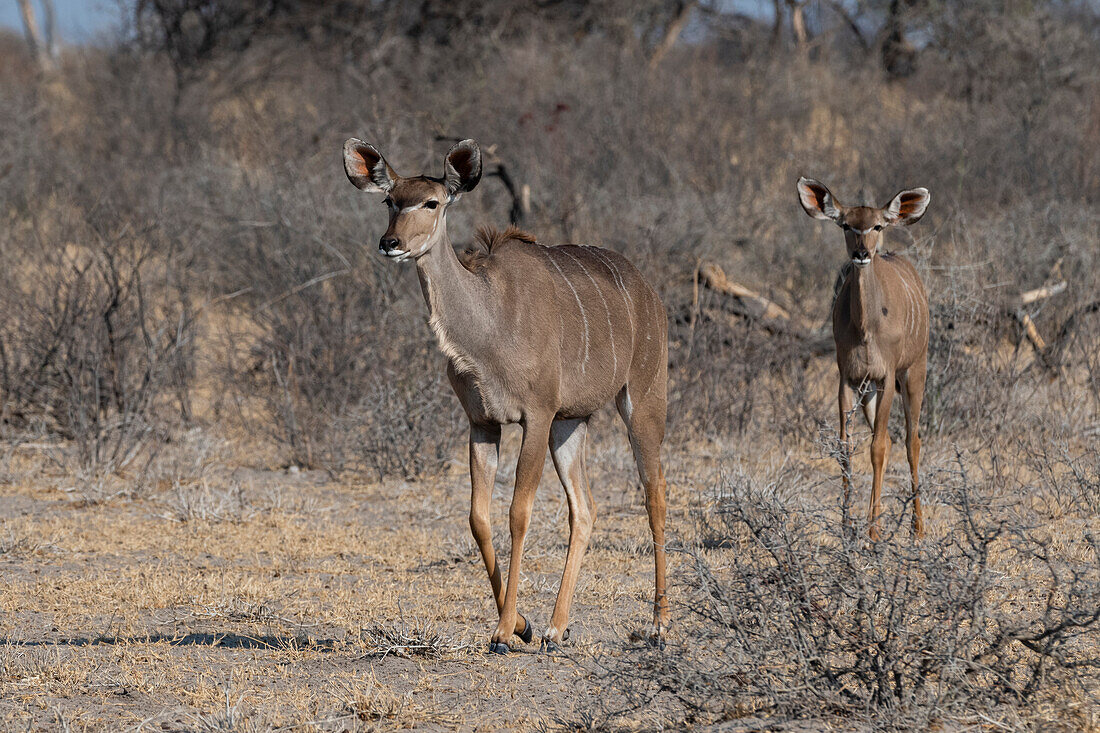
x=715, y=278
x=1031, y=332
x=746, y=304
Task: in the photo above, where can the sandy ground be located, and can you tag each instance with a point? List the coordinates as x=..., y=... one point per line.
x=253, y=599
x=237, y=597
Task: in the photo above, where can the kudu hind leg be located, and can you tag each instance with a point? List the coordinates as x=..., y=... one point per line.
x=568, y=440
x=484, y=455
x=912, y=396
x=645, y=425
x=532, y=456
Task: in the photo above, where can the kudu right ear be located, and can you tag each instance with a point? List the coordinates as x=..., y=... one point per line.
x=817, y=200
x=462, y=168
x=366, y=167
x=908, y=206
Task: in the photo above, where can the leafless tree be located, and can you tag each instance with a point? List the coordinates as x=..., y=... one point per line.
x=43, y=45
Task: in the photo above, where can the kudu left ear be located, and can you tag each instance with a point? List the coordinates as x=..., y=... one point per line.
x=462, y=168
x=366, y=168
x=817, y=200
x=908, y=206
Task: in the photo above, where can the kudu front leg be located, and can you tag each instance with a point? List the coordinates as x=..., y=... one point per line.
x=532, y=455
x=845, y=400
x=880, y=452
x=484, y=454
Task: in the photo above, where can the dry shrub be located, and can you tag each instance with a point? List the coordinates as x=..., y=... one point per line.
x=332, y=357
x=792, y=613
x=731, y=377
x=407, y=640
x=96, y=348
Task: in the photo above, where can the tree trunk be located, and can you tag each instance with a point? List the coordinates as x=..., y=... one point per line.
x=777, y=27
x=899, y=57
x=672, y=33
x=49, y=18
x=38, y=44
x=798, y=25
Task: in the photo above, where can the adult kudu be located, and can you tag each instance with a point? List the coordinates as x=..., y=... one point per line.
x=880, y=325
x=539, y=336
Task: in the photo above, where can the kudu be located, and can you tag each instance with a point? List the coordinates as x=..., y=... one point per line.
x=540, y=336
x=880, y=325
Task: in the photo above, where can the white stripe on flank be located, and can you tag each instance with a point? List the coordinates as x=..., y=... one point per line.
x=580, y=305
x=905, y=294
x=911, y=302
x=610, y=328
x=628, y=302
x=648, y=337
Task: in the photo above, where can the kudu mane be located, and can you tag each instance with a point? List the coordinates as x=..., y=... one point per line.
x=488, y=239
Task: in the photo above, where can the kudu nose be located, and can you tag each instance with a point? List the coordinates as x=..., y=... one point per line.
x=385, y=244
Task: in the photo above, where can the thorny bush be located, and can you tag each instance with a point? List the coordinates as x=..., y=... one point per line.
x=790, y=611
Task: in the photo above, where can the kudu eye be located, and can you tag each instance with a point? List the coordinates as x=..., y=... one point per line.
x=430, y=204
x=878, y=227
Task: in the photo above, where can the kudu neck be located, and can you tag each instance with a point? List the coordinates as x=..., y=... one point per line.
x=866, y=298
x=457, y=299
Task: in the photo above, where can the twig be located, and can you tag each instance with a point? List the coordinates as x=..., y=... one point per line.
x=672, y=33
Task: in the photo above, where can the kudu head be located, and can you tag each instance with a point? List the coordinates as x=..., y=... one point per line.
x=418, y=204
x=863, y=225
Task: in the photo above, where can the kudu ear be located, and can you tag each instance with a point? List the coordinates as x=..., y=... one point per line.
x=908, y=206
x=366, y=167
x=462, y=168
x=817, y=200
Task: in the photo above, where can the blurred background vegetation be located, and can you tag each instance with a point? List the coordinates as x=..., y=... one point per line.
x=181, y=248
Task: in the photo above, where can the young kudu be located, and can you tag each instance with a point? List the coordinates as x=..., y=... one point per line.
x=539, y=336
x=880, y=325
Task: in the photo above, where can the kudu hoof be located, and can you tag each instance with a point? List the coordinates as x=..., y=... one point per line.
x=499, y=647
x=528, y=634
x=656, y=637
x=549, y=646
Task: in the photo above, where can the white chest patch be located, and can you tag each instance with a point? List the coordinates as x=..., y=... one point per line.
x=463, y=363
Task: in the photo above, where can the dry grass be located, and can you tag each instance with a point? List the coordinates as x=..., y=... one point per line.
x=344, y=606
